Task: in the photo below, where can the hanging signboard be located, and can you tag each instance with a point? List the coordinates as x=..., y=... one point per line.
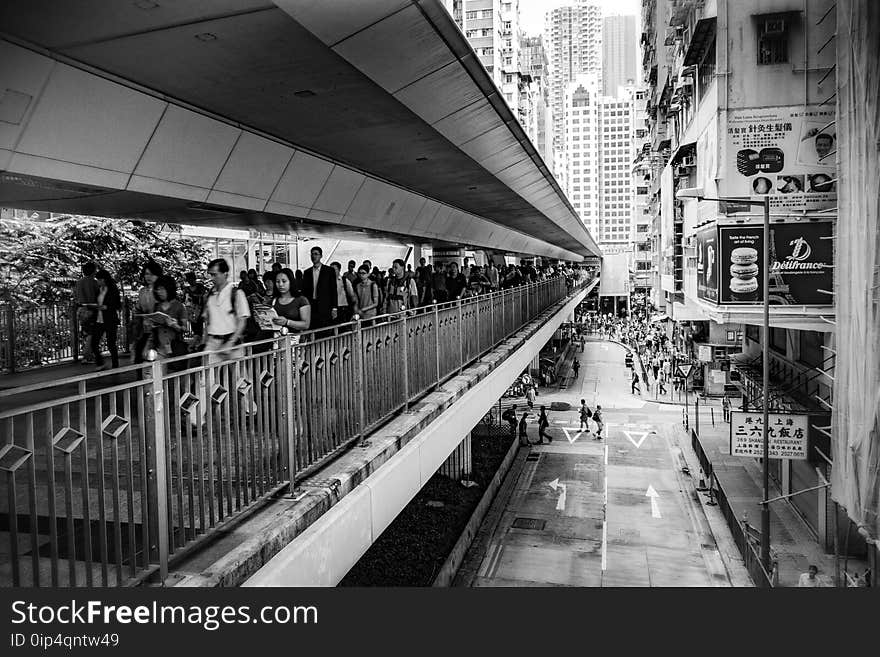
x=707, y=264
x=801, y=264
x=784, y=152
x=787, y=435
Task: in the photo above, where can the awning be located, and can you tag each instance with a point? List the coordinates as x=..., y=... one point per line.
x=704, y=33
x=659, y=318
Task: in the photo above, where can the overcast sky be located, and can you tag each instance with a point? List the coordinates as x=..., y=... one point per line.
x=531, y=12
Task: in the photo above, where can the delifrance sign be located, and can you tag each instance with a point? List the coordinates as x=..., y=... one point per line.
x=787, y=435
x=801, y=264
x=783, y=152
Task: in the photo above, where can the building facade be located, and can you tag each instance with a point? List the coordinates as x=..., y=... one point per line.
x=573, y=41
x=619, y=50
x=741, y=106
x=492, y=29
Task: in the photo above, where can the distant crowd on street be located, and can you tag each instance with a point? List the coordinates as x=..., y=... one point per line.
x=649, y=342
x=224, y=314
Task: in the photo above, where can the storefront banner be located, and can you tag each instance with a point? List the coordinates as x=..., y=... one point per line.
x=707, y=264
x=787, y=435
x=781, y=152
x=801, y=264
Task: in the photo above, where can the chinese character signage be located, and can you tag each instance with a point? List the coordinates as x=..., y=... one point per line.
x=707, y=264
x=787, y=435
x=801, y=264
x=784, y=152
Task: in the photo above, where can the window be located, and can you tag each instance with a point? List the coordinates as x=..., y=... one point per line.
x=772, y=38
x=811, y=352
x=777, y=339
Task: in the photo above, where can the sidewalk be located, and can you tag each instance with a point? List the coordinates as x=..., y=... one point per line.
x=791, y=540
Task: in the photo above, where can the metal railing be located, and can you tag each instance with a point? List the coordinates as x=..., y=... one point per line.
x=112, y=476
x=37, y=336
x=741, y=531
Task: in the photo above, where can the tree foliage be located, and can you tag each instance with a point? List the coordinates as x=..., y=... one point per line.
x=40, y=261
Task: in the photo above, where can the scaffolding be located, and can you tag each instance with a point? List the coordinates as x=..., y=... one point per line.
x=855, y=424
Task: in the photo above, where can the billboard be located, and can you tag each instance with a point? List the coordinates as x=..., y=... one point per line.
x=707, y=264
x=781, y=152
x=801, y=264
x=787, y=435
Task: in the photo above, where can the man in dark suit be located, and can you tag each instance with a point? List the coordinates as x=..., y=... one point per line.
x=319, y=287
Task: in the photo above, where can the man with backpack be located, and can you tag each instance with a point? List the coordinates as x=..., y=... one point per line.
x=225, y=315
x=585, y=415
x=400, y=290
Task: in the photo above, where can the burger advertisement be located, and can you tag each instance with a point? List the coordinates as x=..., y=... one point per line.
x=801, y=264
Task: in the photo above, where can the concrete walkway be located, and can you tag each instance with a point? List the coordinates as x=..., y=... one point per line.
x=610, y=513
x=790, y=538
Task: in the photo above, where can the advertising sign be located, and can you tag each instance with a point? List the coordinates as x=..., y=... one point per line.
x=801, y=264
x=707, y=264
x=741, y=263
x=786, y=433
x=781, y=152
x=704, y=353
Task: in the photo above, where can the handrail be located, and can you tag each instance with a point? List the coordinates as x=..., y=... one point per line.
x=154, y=465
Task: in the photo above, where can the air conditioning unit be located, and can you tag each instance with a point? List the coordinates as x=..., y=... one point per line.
x=682, y=172
x=774, y=26
x=689, y=161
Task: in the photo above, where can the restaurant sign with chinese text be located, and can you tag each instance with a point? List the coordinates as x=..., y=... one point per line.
x=787, y=434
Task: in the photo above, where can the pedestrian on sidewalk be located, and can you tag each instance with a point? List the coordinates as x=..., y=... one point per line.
x=725, y=408
x=809, y=579
x=523, y=431
x=543, y=424
x=509, y=416
x=634, y=385
x=576, y=366
x=661, y=383
x=530, y=397
x=597, y=418
x=585, y=415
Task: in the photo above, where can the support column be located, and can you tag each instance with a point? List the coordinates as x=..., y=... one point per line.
x=459, y=464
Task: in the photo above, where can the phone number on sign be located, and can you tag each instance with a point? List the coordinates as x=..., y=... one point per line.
x=70, y=642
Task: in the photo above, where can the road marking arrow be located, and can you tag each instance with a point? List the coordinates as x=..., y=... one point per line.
x=560, y=503
x=641, y=435
x=572, y=434
x=655, y=507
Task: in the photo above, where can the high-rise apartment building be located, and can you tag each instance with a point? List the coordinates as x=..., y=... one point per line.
x=573, y=40
x=534, y=68
x=619, y=49
x=492, y=29
x=598, y=152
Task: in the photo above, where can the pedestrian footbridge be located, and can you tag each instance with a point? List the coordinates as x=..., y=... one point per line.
x=276, y=468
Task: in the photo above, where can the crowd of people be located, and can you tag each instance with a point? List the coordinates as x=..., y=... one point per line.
x=224, y=314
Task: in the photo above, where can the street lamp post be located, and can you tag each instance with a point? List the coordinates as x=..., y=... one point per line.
x=697, y=193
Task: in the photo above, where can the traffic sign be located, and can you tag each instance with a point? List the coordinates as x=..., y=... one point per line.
x=684, y=371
